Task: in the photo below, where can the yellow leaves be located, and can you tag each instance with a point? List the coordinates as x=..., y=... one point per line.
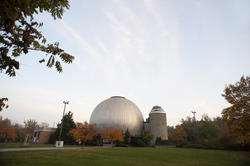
x=179, y=135
x=112, y=135
x=83, y=132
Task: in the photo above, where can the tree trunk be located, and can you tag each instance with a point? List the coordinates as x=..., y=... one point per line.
x=26, y=140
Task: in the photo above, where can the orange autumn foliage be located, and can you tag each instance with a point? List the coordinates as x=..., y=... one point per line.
x=83, y=132
x=7, y=133
x=112, y=135
x=179, y=135
x=237, y=115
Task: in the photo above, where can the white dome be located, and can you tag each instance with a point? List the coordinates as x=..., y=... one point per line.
x=120, y=113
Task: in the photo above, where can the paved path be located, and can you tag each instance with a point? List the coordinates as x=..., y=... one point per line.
x=46, y=148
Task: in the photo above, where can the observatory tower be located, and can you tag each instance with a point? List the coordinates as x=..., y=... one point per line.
x=157, y=124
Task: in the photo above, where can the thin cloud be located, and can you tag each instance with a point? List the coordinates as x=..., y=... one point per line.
x=83, y=43
x=94, y=56
x=151, y=7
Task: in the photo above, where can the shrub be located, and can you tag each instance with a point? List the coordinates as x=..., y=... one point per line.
x=137, y=141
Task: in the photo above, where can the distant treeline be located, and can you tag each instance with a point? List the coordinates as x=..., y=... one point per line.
x=204, y=133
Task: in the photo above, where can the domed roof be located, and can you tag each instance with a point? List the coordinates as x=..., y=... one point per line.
x=157, y=109
x=120, y=113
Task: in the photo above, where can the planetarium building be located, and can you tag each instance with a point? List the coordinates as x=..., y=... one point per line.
x=120, y=113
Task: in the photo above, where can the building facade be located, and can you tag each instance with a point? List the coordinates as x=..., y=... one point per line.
x=42, y=134
x=156, y=124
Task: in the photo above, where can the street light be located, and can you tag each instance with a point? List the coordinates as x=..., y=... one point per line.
x=64, y=102
x=196, y=131
x=194, y=114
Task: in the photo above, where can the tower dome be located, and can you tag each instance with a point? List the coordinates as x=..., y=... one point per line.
x=120, y=113
x=157, y=109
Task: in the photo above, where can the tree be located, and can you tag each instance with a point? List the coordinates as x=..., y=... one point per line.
x=20, y=132
x=223, y=140
x=147, y=138
x=179, y=135
x=127, y=137
x=237, y=116
x=221, y=124
x=7, y=131
x=19, y=34
x=2, y=104
x=83, y=132
x=68, y=124
x=190, y=127
x=29, y=126
x=207, y=130
x=112, y=135
x=170, y=132
x=4, y=122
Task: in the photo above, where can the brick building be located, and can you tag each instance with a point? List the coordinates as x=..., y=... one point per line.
x=42, y=134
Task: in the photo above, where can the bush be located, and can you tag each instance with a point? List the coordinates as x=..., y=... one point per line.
x=147, y=138
x=137, y=141
x=52, y=139
x=140, y=143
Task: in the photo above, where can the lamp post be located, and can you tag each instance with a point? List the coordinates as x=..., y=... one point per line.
x=194, y=114
x=64, y=102
x=195, y=127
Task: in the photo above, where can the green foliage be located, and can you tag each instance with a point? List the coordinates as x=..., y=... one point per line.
x=147, y=138
x=141, y=141
x=20, y=33
x=127, y=137
x=208, y=133
x=68, y=124
x=170, y=134
x=190, y=126
x=207, y=129
x=137, y=141
x=201, y=131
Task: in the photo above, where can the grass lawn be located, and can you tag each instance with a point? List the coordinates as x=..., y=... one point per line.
x=20, y=145
x=126, y=156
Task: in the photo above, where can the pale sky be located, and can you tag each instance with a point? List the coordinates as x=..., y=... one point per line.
x=179, y=55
